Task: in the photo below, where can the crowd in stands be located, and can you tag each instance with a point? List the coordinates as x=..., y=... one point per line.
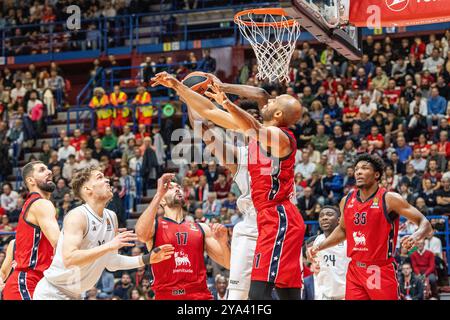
x=393, y=103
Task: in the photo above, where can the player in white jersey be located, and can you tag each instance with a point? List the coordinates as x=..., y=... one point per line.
x=329, y=283
x=90, y=242
x=245, y=232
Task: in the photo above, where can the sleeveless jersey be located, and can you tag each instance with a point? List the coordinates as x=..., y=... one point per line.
x=333, y=263
x=32, y=251
x=272, y=179
x=186, y=270
x=371, y=231
x=100, y=230
x=242, y=179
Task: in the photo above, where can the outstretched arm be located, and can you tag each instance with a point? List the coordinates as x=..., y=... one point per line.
x=202, y=105
x=249, y=92
x=397, y=204
x=215, y=140
x=145, y=226
x=217, y=247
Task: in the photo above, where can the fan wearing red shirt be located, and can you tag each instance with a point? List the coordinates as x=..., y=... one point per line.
x=350, y=114
x=77, y=138
x=423, y=263
x=444, y=144
x=392, y=92
x=423, y=146
x=222, y=186
x=375, y=138
x=418, y=49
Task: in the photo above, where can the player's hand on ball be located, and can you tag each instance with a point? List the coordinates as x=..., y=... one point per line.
x=164, y=79
x=215, y=80
x=123, y=239
x=219, y=232
x=164, y=182
x=216, y=93
x=161, y=253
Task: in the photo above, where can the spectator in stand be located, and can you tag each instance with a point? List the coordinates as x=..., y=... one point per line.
x=418, y=48
x=305, y=167
x=443, y=198
x=65, y=150
x=331, y=153
x=15, y=137
x=159, y=145
x=99, y=151
x=100, y=103
x=411, y=179
x=69, y=168
x=444, y=145
x=8, y=198
x=88, y=161
x=128, y=184
x=403, y=150
x=123, y=287
x=201, y=190
x=135, y=162
x=207, y=64
x=307, y=204
x=58, y=194
x=439, y=158
x=106, y=285
x=142, y=101
x=222, y=186
x=332, y=186
x=437, y=107
x=124, y=137
x=18, y=93
x=434, y=244
x=434, y=62
x=75, y=141
x=418, y=162
x=119, y=100
x=411, y=288
x=433, y=175
x=380, y=81
x=220, y=292
x=212, y=206
x=109, y=140
x=320, y=140
x=423, y=264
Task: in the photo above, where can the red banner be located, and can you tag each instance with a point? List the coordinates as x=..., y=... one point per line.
x=390, y=13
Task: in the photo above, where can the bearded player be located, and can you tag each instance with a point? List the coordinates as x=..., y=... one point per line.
x=184, y=276
x=370, y=226
x=36, y=234
x=271, y=159
x=90, y=242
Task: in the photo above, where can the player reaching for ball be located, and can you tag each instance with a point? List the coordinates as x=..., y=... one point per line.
x=271, y=159
x=370, y=225
x=184, y=277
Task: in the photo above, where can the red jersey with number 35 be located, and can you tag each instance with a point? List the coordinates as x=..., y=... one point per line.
x=371, y=231
x=185, y=271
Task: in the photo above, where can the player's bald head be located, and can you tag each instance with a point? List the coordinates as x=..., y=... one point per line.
x=291, y=108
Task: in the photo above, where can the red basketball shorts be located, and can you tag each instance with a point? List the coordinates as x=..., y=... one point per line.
x=279, y=246
x=21, y=285
x=367, y=281
x=182, y=294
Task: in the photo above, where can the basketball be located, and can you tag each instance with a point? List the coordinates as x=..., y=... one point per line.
x=197, y=81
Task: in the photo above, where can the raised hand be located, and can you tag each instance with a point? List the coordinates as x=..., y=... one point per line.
x=216, y=93
x=164, y=183
x=164, y=79
x=219, y=232
x=161, y=253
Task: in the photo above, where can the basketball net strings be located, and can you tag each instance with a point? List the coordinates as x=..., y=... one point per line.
x=273, y=56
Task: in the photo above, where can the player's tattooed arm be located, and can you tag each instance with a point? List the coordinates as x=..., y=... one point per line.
x=217, y=243
x=145, y=226
x=43, y=214
x=257, y=94
x=396, y=203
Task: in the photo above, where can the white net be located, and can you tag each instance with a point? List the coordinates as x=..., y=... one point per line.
x=273, y=37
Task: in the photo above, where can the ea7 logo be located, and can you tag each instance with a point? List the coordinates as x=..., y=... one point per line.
x=397, y=5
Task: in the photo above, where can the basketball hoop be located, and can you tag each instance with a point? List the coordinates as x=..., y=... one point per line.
x=273, y=36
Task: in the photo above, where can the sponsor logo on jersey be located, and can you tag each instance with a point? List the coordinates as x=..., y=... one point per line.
x=94, y=228
x=234, y=281
x=359, y=238
x=397, y=5
x=352, y=203
x=375, y=203
x=178, y=292
x=108, y=225
x=181, y=259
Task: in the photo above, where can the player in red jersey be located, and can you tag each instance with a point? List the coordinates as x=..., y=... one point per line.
x=37, y=233
x=370, y=226
x=271, y=162
x=182, y=277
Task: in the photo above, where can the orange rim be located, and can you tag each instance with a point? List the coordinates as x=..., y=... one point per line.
x=261, y=11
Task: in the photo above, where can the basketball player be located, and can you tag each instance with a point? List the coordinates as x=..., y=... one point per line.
x=329, y=283
x=7, y=265
x=245, y=232
x=184, y=277
x=89, y=243
x=370, y=226
x=271, y=159
x=36, y=234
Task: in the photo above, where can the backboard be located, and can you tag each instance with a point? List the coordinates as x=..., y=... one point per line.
x=327, y=21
